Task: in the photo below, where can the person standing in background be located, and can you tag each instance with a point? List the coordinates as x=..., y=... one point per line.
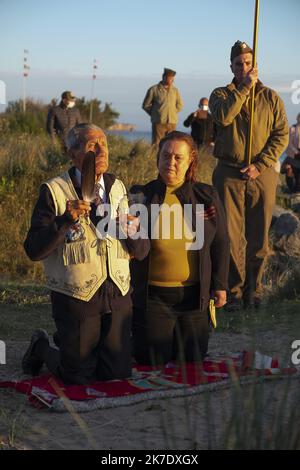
x=163, y=103
x=202, y=124
x=291, y=166
x=63, y=117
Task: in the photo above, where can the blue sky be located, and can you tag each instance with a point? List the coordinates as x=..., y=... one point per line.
x=133, y=40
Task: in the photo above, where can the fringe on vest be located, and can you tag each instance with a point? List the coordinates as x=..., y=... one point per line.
x=76, y=253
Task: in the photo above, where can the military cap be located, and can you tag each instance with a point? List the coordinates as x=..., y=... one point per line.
x=68, y=95
x=169, y=72
x=238, y=48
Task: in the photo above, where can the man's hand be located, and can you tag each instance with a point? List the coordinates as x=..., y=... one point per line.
x=251, y=78
x=76, y=208
x=250, y=172
x=129, y=224
x=220, y=297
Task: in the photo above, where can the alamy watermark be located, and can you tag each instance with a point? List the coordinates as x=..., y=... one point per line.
x=166, y=222
x=2, y=92
x=296, y=93
x=2, y=352
x=295, y=359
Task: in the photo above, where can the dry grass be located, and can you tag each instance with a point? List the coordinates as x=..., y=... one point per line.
x=26, y=161
x=236, y=419
x=260, y=415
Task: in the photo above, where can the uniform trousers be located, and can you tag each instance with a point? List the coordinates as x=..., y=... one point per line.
x=159, y=131
x=249, y=207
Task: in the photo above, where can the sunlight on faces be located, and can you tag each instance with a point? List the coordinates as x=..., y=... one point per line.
x=174, y=161
x=241, y=65
x=203, y=102
x=168, y=80
x=92, y=141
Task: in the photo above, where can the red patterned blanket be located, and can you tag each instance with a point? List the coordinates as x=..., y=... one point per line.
x=149, y=383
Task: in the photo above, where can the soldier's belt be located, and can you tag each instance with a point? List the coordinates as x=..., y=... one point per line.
x=233, y=165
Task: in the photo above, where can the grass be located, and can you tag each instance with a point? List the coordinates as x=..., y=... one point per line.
x=257, y=416
x=15, y=424
x=26, y=306
x=282, y=312
x=23, y=294
x=27, y=161
x=18, y=322
x=248, y=418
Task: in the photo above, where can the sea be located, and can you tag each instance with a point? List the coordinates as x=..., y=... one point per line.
x=133, y=135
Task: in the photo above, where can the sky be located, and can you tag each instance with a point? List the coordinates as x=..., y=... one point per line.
x=133, y=41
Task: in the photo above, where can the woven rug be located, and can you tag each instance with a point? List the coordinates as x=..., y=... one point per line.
x=148, y=383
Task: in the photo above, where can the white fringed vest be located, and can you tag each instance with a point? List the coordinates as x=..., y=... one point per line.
x=78, y=268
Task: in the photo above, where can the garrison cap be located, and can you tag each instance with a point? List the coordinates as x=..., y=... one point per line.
x=238, y=48
x=169, y=72
x=68, y=95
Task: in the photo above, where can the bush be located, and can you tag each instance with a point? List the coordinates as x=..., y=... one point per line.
x=26, y=161
x=102, y=117
x=35, y=118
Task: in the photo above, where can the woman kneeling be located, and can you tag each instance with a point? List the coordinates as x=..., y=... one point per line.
x=188, y=260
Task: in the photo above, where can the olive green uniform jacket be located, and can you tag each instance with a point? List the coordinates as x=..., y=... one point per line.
x=229, y=108
x=163, y=104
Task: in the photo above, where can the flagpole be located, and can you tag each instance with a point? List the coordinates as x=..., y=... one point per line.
x=26, y=68
x=24, y=94
x=92, y=89
x=252, y=92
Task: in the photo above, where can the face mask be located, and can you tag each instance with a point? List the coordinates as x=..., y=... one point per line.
x=204, y=107
x=71, y=104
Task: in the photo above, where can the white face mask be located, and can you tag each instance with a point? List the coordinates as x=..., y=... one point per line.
x=71, y=104
x=204, y=107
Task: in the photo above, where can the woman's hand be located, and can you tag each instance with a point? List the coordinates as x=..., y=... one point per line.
x=129, y=224
x=220, y=297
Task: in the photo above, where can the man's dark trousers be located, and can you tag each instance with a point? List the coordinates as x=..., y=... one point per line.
x=92, y=345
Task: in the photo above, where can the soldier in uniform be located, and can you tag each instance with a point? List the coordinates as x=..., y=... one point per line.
x=247, y=191
x=163, y=103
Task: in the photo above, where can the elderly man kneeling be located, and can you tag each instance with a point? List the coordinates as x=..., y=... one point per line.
x=88, y=276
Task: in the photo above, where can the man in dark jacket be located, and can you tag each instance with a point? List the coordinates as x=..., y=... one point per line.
x=63, y=117
x=88, y=275
x=201, y=123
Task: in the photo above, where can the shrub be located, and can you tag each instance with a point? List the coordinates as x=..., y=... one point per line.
x=35, y=118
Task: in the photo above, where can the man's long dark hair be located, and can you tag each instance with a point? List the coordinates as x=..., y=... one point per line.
x=193, y=152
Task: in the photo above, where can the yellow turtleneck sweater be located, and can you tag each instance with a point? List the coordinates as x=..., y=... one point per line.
x=171, y=264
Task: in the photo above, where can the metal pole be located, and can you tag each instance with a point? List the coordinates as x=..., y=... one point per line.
x=24, y=93
x=252, y=93
x=26, y=68
x=91, y=104
x=92, y=89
